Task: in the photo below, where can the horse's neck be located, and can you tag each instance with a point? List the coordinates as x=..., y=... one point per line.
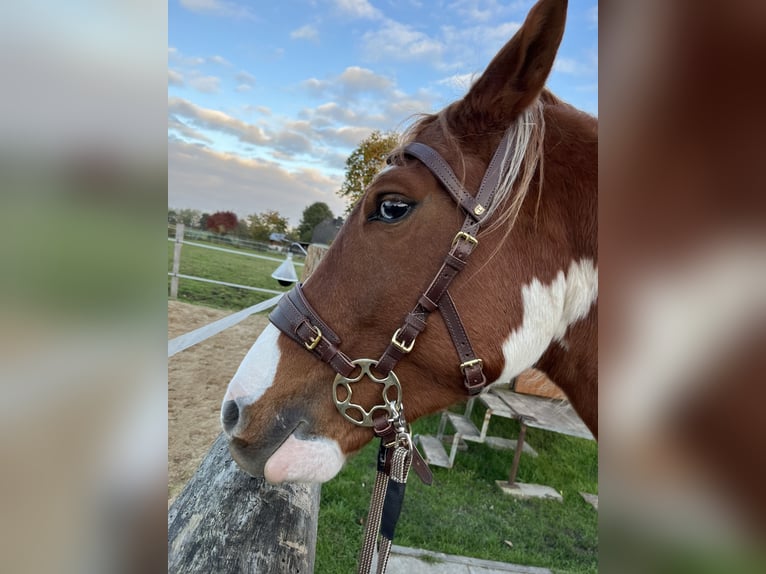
x=572, y=361
x=573, y=365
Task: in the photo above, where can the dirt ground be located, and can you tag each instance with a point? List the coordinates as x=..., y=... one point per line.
x=197, y=379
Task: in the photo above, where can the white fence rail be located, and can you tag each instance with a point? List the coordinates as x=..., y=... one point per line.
x=205, y=332
x=234, y=251
x=175, y=274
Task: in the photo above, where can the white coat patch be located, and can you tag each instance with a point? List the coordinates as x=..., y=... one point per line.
x=548, y=311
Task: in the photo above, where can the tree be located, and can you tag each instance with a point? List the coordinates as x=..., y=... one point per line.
x=265, y=223
x=222, y=222
x=243, y=228
x=312, y=216
x=189, y=217
x=364, y=163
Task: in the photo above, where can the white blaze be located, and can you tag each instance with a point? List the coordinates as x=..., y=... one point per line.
x=257, y=371
x=548, y=311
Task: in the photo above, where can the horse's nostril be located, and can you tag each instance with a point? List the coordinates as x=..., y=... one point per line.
x=229, y=415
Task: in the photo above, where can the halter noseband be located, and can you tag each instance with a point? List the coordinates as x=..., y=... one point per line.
x=295, y=317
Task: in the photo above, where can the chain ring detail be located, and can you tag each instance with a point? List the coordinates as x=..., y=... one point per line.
x=365, y=419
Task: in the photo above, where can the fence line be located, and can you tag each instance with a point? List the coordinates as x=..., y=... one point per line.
x=225, y=283
x=266, y=257
x=205, y=332
x=179, y=241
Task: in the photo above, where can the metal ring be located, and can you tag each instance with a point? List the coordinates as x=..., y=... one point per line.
x=364, y=417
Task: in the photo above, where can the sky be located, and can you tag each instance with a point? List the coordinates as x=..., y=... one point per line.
x=266, y=100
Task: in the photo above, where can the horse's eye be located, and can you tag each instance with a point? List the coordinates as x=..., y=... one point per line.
x=392, y=210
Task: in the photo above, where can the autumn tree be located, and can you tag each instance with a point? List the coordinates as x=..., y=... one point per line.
x=221, y=222
x=265, y=223
x=364, y=163
x=312, y=216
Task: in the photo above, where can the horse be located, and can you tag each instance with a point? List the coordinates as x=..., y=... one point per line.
x=528, y=295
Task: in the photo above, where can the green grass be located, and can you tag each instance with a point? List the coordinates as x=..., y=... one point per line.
x=221, y=266
x=465, y=513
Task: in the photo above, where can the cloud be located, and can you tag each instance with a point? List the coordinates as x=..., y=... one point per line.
x=346, y=136
x=175, y=78
x=200, y=5
x=351, y=82
x=483, y=10
x=205, y=84
x=396, y=41
x=200, y=178
x=355, y=80
x=246, y=81
x=290, y=139
x=217, y=8
x=244, y=77
x=461, y=43
x=358, y=9
x=459, y=82
x=174, y=124
x=307, y=32
x=175, y=55
x=217, y=121
x=220, y=60
x=358, y=101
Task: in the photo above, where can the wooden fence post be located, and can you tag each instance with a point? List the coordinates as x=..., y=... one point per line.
x=225, y=521
x=176, y=260
x=313, y=257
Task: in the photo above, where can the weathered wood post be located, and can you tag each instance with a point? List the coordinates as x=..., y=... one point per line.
x=313, y=257
x=226, y=522
x=176, y=260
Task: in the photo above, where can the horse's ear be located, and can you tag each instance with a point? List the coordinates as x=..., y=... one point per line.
x=517, y=74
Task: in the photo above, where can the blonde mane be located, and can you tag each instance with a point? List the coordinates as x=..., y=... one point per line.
x=522, y=159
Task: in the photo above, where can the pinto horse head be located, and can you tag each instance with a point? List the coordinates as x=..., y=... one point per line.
x=526, y=297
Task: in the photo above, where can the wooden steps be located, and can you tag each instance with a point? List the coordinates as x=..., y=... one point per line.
x=433, y=451
x=464, y=427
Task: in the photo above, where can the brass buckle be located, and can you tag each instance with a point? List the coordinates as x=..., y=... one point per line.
x=311, y=345
x=403, y=347
x=463, y=235
x=471, y=363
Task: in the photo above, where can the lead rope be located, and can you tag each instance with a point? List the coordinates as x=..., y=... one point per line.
x=394, y=461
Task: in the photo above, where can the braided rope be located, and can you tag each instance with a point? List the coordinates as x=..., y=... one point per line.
x=373, y=523
x=400, y=467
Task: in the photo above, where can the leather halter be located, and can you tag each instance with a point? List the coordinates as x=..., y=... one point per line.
x=295, y=317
